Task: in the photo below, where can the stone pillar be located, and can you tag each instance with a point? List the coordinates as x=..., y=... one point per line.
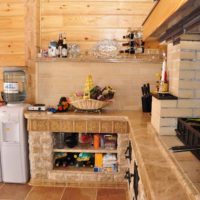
x=183, y=64
x=40, y=154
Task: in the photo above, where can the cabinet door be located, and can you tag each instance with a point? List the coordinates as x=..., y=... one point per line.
x=12, y=168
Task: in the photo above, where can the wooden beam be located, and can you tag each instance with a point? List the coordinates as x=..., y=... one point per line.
x=162, y=11
x=183, y=26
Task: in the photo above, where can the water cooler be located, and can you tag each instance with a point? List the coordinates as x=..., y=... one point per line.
x=14, y=146
x=13, y=134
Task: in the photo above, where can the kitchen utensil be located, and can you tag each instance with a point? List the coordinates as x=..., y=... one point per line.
x=177, y=149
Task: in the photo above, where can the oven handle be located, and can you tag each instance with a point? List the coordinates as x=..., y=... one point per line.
x=177, y=149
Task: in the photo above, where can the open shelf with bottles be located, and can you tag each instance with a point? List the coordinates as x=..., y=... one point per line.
x=86, y=162
x=85, y=152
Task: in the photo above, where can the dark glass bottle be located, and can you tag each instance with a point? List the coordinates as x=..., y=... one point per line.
x=130, y=36
x=60, y=45
x=64, y=48
x=131, y=44
x=130, y=51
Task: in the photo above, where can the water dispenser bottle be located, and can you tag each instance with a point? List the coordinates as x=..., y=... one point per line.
x=14, y=85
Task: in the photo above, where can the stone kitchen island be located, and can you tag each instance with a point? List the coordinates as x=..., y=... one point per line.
x=161, y=176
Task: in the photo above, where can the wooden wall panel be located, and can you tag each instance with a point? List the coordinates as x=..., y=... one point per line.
x=89, y=34
x=12, y=23
x=11, y=9
x=87, y=22
x=12, y=60
x=95, y=21
x=95, y=8
x=63, y=1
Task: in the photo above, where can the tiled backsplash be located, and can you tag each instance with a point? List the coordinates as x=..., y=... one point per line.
x=56, y=79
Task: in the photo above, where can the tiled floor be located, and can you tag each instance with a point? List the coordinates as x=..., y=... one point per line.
x=26, y=192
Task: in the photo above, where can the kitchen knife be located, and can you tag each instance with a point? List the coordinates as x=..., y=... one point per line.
x=148, y=88
x=145, y=89
x=142, y=90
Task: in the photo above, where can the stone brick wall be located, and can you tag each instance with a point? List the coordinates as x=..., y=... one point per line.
x=183, y=64
x=40, y=154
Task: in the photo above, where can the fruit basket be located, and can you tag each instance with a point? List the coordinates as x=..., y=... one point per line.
x=89, y=104
x=93, y=98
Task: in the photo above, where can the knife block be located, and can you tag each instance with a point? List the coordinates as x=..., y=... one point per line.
x=146, y=103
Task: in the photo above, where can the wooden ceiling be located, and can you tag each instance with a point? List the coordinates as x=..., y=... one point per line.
x=183, y=22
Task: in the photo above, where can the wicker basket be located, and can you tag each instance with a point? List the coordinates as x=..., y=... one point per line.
x=89, y=104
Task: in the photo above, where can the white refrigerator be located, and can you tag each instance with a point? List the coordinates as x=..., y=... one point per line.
x=13, y=144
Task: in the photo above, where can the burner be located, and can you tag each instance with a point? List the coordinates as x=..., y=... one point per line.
x=188, y=131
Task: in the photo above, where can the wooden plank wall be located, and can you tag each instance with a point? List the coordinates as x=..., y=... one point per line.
x=12, y=51
x=89, y=21
x=28, y=25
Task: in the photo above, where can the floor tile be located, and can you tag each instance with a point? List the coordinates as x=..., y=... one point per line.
x=45, y=193
x=1, y=184
x=14, y=191
x=97, y=185
x=197, y=185
x=111, y=194
x=80, y=194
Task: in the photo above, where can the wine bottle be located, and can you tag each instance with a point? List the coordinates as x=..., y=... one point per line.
x=139, y=50
x=130, y=51
x=130, y=36
x=64, y=48
x=131, y=44
x=59, y=45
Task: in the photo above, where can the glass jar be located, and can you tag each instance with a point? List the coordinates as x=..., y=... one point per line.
x=60, y=140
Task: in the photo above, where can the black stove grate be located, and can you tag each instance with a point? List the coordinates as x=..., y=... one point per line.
x=188, y=131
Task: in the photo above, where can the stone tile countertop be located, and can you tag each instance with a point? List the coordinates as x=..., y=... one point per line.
x=165, y=175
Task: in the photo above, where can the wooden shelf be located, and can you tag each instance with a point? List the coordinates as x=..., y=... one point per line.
x=155, y=58
x=79, y=169
x=73, y=168
x=79, y=149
